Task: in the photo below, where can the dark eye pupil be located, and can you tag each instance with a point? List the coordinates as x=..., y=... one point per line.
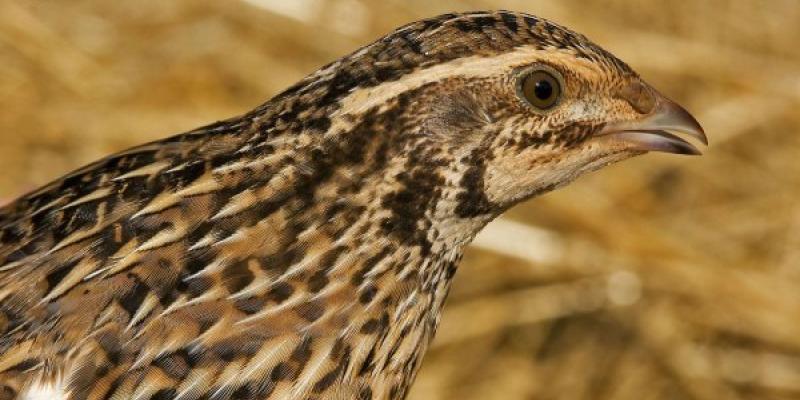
x=543, y=90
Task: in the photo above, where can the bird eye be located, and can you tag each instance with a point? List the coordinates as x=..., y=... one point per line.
x=541, y=89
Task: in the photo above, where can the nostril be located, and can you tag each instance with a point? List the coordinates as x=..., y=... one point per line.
x=639, y=96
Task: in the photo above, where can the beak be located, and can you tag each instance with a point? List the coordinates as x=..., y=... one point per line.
x=651, y=132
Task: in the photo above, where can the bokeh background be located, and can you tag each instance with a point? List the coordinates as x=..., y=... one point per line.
x=663, y=277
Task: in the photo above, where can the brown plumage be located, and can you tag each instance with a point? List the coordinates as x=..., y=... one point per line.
x=304, y=250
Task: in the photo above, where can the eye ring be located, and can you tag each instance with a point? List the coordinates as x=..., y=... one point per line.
x=540, y=87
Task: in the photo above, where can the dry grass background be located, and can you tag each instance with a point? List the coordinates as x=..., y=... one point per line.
x=659, y=278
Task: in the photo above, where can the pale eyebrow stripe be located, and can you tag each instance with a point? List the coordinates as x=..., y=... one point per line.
x=364, y=99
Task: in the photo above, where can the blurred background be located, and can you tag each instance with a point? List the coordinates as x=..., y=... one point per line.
x=663, y=277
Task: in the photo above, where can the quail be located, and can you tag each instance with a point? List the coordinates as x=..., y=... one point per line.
x=304, y=249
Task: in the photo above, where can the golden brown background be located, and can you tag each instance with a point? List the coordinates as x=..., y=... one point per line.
x=664, y=277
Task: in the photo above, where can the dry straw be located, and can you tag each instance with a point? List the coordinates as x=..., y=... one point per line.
x=660, y=278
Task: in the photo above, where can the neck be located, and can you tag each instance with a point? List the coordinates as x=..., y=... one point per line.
x=363, y=236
